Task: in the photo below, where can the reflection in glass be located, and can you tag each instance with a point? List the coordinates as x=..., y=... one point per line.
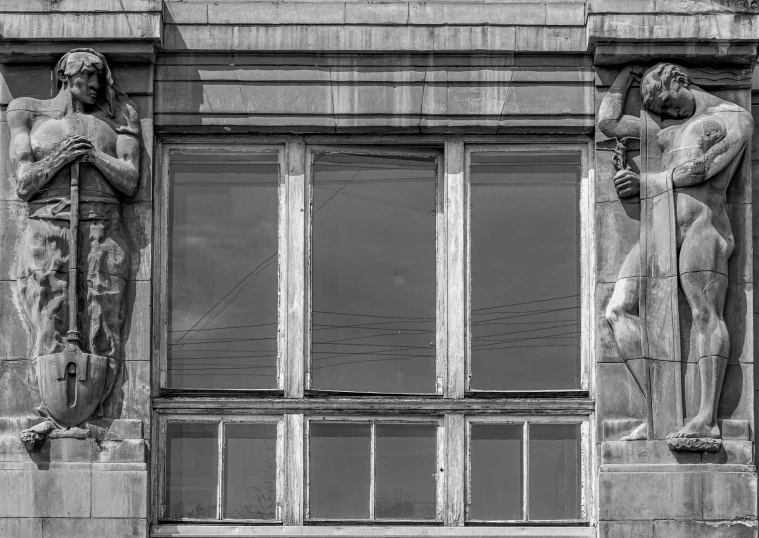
x=191, y=470
x=525, y=272
x=223, y=272
x=496, y=472
x=373, y=274
x=250, y=471
x=406, y=468
x=339, y=470
x=554, y=471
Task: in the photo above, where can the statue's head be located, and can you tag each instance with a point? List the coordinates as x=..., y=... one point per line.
x=665, y=89
x=86, y=75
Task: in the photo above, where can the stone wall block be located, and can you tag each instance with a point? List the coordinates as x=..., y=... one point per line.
x=133, y=78
x=147, y=159
x=119, y=494
x=617, y=231
x=12, y=223
x=20, y=527
x=565, y=14
x=126, y=451
x=79, y=528
x=550, y=38
x=625, y=529
x=376, y=13
x=19, y=394
x=424, y=13
x=650, y=495
x=7, y=180
x=618, y=396
x=737, y=399
x=32, y=26
x=54, y=494
x=729, y=495
x=704, y=529
x=137, y=219
x=137, y=327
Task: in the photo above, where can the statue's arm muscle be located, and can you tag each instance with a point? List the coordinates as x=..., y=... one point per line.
x=122, y=171
x=719, y=156
x=611, y=120
x=31, y=175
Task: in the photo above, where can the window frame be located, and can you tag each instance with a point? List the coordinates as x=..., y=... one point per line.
x=220, y=420
x=373, y=420
x=296, y=406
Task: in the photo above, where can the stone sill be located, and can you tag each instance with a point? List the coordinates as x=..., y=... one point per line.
x=198, y=531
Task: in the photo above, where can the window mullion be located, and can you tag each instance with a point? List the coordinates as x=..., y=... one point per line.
x=292, y=315
x=292, y=513
x=455, y=260
x=373, y=471
x=526, y=471
x=220, y=471
x=455, y=460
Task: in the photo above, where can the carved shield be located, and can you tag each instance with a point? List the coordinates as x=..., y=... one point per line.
x=72, y=384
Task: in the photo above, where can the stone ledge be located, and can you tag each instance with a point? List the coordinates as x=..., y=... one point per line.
x=79, y=6
x=81, y=26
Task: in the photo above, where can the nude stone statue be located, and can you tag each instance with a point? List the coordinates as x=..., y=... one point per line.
x=701, y=148
x=89, y=122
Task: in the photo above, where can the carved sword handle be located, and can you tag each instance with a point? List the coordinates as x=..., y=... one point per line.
x=620, y=155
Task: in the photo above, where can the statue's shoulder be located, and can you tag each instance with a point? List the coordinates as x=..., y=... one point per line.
x=25, y=110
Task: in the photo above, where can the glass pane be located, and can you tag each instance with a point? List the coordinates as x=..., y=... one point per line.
x=406, y=470
x=223, y=272
x=496, y=472
x=191, y=470
x=525, y=272
x=250, y=475
x=554, y=471
x=374, y=274
x=339, y=471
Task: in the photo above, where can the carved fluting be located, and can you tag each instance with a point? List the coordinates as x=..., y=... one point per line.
x=74, y=158
x=691, y=145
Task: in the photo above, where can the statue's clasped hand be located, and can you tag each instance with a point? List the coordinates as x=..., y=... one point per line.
x=75, y=148
x=627, y=183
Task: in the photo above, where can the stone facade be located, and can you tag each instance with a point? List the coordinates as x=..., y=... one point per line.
x=495, y=71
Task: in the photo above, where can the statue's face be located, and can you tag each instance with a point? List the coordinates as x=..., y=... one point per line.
x=678, y=102
x=85, y=83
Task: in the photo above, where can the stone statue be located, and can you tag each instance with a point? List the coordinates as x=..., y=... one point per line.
x=687, y=164
x=74, y=157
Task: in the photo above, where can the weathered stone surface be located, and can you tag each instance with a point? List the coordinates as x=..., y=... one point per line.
x=618, y=397
x=704, y=529
x=12, y=222
x=126, y=451
x=740, y=267
x=19, y=395
x=55, y=494
x=116, y=429
x=131, y=396
x=137, y=328
x=20, y=527
x=649, y=496
x=616, y=232
x=626, y=529
x=14, y=340
x=729, y=496
x=72, y=450
x=119, y=494
x=736, y=429
x=671, y=27
x=78, y=528
x=137, y=219
x=132, y=26
x=77, y=6
x=738, y=307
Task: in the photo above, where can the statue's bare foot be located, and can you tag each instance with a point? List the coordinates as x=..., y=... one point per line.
x=697, y=427
x=638, y=434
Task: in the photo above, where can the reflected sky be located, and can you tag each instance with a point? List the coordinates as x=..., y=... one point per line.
x=525, y=272
x=373, y=273
x=223, y=272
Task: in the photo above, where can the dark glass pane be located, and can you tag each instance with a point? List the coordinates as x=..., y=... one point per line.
x=191, y=470
x=374, y=274
x=406, y=470
x=496, y=472
x=250, y=472
x=525, y=272
x=339, y=471
x=554, y=471
x=223, y=272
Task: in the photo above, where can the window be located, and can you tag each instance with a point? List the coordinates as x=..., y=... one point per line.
x=372, y=334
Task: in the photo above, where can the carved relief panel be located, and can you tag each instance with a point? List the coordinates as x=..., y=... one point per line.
x=675, y=313
x=74, y=158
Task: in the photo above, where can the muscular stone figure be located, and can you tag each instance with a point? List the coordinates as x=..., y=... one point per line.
x=701, y=151
x=88, y=121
